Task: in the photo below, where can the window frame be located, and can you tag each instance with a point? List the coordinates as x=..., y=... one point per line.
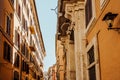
x=18, y=9
x=25, y=67
x=12, y=1
x=17, y=39
x=8, y=28
x=7, y=54
x=24, y=2
x=92, y=20
x=17, y=75
x=94, y=44
x=16, y=61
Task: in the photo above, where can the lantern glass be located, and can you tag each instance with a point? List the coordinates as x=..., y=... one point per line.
x=109, y=23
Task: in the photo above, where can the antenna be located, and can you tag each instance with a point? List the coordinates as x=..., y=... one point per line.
x=54, y=9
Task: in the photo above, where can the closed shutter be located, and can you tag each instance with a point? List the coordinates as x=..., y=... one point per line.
x=16, y=64
x=16, y=36
x=27, y=69
x=8, y=25
x=16, y=75
x=92, y=73
x=88, y=11
x=18, y=41
x=7, y=52
x=23, y=49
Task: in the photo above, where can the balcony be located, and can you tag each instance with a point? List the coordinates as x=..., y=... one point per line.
x=32, y=30
x=31, y=65
x=32, y=48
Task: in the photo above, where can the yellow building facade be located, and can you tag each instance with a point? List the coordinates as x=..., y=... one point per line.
x=21, y=44
x=90, y=45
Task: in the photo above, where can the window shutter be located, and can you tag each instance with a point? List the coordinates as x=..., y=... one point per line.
x=16, y=75
x=8, y=53
x=5, y=50
x=19, y=11
x=18, y=41
x=91, y=55
x=16, y=64
x=24, y=2
x=16, y=35
x=8, y=25
x=12, y=1
x=23, y=48
x=92, y=73
x=23, y=65
x=11, y=55
x=27, y=69
x=88, y=11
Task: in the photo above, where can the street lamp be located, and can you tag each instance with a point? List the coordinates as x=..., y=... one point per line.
x=109, y=19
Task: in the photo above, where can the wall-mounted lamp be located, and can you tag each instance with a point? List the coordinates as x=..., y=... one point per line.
x=109, y=19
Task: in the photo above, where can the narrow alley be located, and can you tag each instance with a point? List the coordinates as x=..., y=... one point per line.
x=59, y=40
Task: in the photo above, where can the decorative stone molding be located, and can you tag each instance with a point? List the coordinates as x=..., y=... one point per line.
x=70, y=8
x=70, y=11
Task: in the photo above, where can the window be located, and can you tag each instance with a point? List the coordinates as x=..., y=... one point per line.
x=25, y=67
x=38, y=77
x=17, y=59
x=24, y=23
x=8, y=25
x=92, y=60
x=92, y=73
x=89, y=12
x=17, y=39
x=26, y=78
x=26, y=53
x=34, y=75
x=91, y=55
x=24, y=2
x=30, y=21
x=26, y=27
x=23, y=48
x=12, y=1
x=31, y=42
x=31, y=59
x=18, y=9
x=28, y=11
x=7, y=52
x=72, y=35
x=16, y=75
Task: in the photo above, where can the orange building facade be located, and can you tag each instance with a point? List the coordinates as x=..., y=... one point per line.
x=6, y=39
x=21, y=45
